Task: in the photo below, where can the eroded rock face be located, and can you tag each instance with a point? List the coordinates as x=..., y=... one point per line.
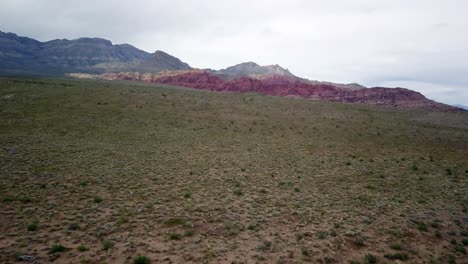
x=287, y=86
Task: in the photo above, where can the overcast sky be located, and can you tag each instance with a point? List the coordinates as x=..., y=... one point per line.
x=418, y=44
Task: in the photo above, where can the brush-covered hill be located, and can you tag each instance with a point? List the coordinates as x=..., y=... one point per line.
x=100, y=171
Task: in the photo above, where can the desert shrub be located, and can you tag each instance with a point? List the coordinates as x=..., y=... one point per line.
x=189, y=232
x=396, y=256
x=174, y=236
x=299, y=236
x=422, y=227
x=33, y=226
x=322, y=234
x=24, y=199
x=359, y=242
x=107, y=244
x=141, y=260
x=396, y=246
x=460, y=249
x=266, y=245
x=174, y=222
x=57, y=248
x=370, y=259
x=465, y=241
x=452, y=259
x=73, y=226
x=233, y=228
x=98, y=199
x=82, y=248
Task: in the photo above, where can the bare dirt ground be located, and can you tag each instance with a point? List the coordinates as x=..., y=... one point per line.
x=94, y=172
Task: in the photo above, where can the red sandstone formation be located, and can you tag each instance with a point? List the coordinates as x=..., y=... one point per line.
x=287, y=86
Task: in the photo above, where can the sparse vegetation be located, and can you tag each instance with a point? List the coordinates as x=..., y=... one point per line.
x=396, y=247
x=73, y=226
x=141, y=260
x=370, y=259
x=190, y=177
x=266, y=245
x=33, y=226
x=398, y=256
x=107, y=244
x=175, y=236
x=422, y=227
x=82, y=248
x=98, y=199
x=465, y=241
x=57, y=248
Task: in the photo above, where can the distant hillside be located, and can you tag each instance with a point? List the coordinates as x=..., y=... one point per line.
x=284, y=86
x=99, y=58
x=252, y=69
x=25, y=56
x=461, y=106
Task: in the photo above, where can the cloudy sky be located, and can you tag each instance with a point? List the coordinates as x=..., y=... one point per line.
x=418, y=44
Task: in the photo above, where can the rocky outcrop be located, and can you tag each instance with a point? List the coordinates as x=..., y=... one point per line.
x=287, y=86
x=251, y=69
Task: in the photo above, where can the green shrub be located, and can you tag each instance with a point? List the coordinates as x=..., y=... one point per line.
x=370, y=259
x=174, y=236
x=33, y=226
x=422, y=227
x=57, y=248
x=189, y=232
x=396, y=246
x=82, y=248
x=106, y=244
x=360, y=242
x=174, y=222
x=98, y=199
x=460, y=249
x=399, y=256
x=465, y=241
x=73, y=226
x=141, y=260
x=266, y=245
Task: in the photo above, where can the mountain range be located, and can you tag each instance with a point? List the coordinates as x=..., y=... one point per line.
x=26, y=56
x=98, y=58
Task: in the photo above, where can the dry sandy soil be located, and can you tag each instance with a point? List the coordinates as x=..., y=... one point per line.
x=99, y=172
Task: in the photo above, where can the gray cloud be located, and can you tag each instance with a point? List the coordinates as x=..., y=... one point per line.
x=419, y=44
